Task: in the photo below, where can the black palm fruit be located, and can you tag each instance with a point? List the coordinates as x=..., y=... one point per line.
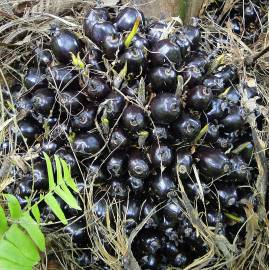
x=42, y=57
x=116, y=164
x=192, y=33
x=97, y=89
x=100, y=31
x=134, y=119
x=84, y=120
x=94, y=60
x=93, y=16
x=43, y=101
x=62, y=77
x=213, y=162
x=138, y=165
x=163, y=79
x=234, y=120
x=127, y=17
x=161, y=184
x=166, y=52
x=186, y=127
x=183, y=162
x=87, y=143
x=240, y=169
x=64, y=43
x=35, y=79
x=118, y=139
x=161, y=155
x=135, y=59
x=114, y=105
x=112, y=45
x=155, y=31
x=199, y=97
x=165, y=108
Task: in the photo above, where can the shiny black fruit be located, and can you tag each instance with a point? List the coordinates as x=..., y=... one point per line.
x=117, y=189
x=162, y=184
x=97, y=89
x=234, y=120
x=182, y=42
x=50, y=146
x=24, y=102
x=138, y=165
x=118, y=139
x=78, y=232
x=92, y=17
x=163, y=79
x=140, y=42
x=212, y=134
x=192, y=33
x=155, y=31
x=217, y=109
x=114, y=105
x=87, y=143
x=112, y=45
x=24, y=187
x=43, y=101
x=94, y=60
x=85, y=119
x=216, y=84
x=165, y=52
x=165, y=108
x=192, y=75
x=100, y=31
x=131, y=89
x=227, y=194
x=186, y=127
x=40, y=175
x=29, y=128
x=161, y=155
x=64, y=43
x=149, y=262
x=95, y=171
x=127, y=17
x=134, y=118
x=42, y=57
x=160, y=133
x=183, y=162
x=199, y=97
x=116, y=164
x=72, y=101
x=213, y=162
x=172, y=210
x=135, y=184
x=35, y=79
x=135, y=59
x=150, y=242
x=226, y=73
x=181, y=260
x=240, y=169
x=62, y=77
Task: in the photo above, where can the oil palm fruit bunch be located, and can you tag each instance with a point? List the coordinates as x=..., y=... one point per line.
x=244, y=18
x=135, y=108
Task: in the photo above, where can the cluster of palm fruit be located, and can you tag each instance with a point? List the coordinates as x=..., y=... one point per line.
x=245, y=18
x=135, y=109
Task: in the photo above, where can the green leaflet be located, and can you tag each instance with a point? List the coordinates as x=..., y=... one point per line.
x=3, y=222
x=36, y=212
x=9, y=252
x=58, y=170
x=67, y=196
x=23, y=242
x=55, y=207
x=14, y=206
x=34, y=231
x=50, y=172
x=67, y=176
x=8, y=265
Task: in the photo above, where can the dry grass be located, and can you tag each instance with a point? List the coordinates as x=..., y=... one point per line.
x=20, y=34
